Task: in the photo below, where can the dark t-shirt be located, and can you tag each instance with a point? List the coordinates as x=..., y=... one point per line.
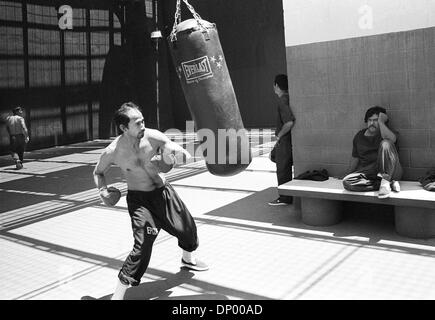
x=284, y=113
x=365, y=148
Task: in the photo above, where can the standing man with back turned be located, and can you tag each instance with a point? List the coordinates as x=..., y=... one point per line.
x=283, y=146
x=144, y=155
x=18, y=136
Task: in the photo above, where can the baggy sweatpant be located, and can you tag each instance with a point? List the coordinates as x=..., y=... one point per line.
x=369, y=177
x=284, y=163
x=151, y=211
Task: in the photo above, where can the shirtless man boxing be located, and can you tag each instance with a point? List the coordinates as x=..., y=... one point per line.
x=144, y=155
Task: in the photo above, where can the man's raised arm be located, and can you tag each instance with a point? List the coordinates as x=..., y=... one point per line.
x=386, y=133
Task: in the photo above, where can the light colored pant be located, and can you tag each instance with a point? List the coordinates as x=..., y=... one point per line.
x=368, y=178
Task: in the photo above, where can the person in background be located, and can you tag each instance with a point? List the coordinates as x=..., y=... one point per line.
x=18, y=136
x=375, y=162
x=283, y=148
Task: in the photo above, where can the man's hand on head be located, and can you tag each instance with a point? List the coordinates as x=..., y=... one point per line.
x=382, y=117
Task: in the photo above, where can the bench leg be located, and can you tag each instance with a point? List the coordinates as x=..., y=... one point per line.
x=415, y=222
x=297, y=203
x=321, y=212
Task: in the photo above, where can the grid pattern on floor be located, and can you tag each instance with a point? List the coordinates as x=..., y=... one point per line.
x=70, y=246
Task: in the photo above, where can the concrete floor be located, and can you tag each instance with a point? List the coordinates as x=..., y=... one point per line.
x=58, y=241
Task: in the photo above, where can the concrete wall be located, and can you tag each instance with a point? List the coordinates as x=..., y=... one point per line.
x=332, y=83
x=310, y=21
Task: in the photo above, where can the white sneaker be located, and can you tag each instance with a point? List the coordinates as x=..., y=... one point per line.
x=395, y=186
x=384, y=189
x=279, y=202
x=197, y=266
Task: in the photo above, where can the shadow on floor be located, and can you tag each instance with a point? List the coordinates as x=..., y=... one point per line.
x=6, y=160
x=360, y=220
x=161, y=290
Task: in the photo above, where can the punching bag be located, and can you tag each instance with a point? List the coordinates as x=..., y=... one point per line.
x=201, y=67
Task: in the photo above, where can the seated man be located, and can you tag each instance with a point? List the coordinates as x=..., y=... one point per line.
x=375, y=162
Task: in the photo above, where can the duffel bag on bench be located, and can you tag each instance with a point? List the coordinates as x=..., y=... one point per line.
x=428, y=181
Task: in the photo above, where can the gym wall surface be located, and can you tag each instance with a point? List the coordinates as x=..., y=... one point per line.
x=333, y=82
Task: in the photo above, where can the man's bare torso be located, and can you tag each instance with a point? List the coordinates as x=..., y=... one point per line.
x=135, y=163
x=14, y=124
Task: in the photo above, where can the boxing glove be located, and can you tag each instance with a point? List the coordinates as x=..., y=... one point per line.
x=110, y=196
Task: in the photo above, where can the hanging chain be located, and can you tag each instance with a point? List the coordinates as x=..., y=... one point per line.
x=192, y=10
x=177, y=18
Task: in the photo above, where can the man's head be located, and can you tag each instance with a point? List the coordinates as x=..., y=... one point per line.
x=280, y=84
x=371, y=118
x=129, y=119
x=17, y=111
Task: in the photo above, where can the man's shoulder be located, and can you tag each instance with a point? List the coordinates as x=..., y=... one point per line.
x=153, y=133
x=360, y=133
x=114, y=145
x=284, y=100
x=155, y=136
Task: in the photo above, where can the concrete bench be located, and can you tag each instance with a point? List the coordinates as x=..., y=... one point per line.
x=322, y=204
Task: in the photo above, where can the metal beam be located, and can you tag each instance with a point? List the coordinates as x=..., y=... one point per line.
x=91, y=4
x=111, y=31
x=62, y=83
x=89, y=73
x=26, y=62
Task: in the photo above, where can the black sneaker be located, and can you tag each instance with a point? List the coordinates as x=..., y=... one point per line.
x=278, y=202
x=19, y=164
x=197, y=266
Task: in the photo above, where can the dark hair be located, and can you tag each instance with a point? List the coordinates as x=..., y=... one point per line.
x=121, y=117
x=282, y=81
x=16, y=110
x=373, y=110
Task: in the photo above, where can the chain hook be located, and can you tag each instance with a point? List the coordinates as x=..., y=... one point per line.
x=177, y=19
